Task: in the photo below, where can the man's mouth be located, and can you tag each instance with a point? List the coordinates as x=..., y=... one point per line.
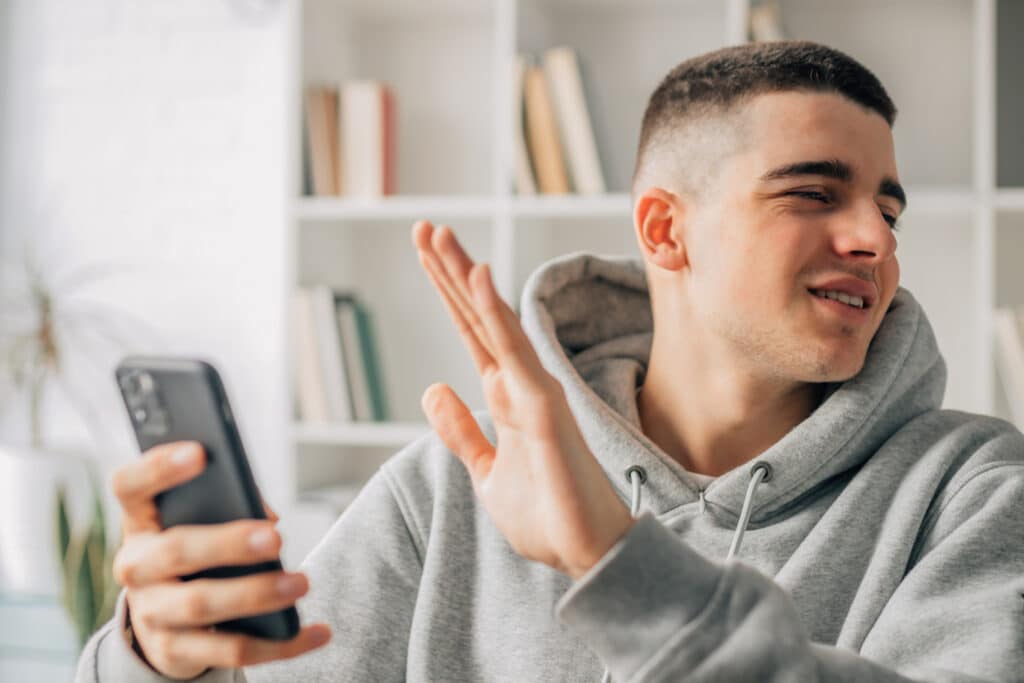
x=841, y=297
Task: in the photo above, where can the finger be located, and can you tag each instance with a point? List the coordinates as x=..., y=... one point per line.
x=160, y=468
x=478, y=348
x=454, y=423
x=451, y=280
x=454, y=258
x=221, y=649
x=452, y=284
x=185, y=549
x=512, y=348
x=205, y=602
x=271, y=515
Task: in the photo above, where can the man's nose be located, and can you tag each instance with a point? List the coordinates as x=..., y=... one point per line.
x=864, y=232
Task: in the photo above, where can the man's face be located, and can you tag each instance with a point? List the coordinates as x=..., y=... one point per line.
x=770, y=230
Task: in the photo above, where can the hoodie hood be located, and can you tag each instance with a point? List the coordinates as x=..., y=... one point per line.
x=589, y=317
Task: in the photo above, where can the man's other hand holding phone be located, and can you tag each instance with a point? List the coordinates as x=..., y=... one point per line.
x=171, y=619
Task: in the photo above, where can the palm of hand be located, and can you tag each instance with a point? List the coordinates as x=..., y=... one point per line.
x=541, y=485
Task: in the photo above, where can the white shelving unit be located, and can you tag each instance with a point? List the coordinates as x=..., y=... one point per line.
x=450, y=64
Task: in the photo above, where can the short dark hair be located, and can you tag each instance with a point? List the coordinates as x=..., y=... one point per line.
x=715, y=81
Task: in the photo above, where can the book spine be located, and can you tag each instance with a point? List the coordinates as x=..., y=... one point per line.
x=389, y=134
x=375, y=379
x=332, y=118
x=332, y=360
x=320, y=149
x=306, y=182
x=561, y=67
x=362, y=408
x=543, y=134
x=362, y=136
x=312, y=397
x=525, y=183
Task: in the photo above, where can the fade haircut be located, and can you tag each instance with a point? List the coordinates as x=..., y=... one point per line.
x=690, y=126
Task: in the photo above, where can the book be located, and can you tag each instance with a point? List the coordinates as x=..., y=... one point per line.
x=367, y=141
x=766, y=22
x=542, y=134
x=306, y=188
x=525, y=183
x=1009, y=341
x=562, y=71
x=321, y=151
x=371, y=362
x=352, y=349
x=334, y=363
x=367, y=385
x=311, y=395
x=333, y=106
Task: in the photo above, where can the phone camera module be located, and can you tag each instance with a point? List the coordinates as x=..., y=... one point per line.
x=140, y=414
x=138, y=385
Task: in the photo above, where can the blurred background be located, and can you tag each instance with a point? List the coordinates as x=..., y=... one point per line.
x=235, y=180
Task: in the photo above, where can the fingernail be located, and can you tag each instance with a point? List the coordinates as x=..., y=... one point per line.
x=320, y=637
x=289, y=585
x=261, y=540
x=185, y=455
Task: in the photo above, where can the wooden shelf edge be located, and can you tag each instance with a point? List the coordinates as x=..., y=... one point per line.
x=1010, y=199
x=409, y=207
x=359, y=433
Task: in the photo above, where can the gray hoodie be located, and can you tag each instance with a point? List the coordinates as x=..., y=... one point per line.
x=884, y=541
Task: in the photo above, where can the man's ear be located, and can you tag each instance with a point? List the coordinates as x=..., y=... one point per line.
x=658, y=220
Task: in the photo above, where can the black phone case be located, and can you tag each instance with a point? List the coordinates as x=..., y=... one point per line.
x=197, y=409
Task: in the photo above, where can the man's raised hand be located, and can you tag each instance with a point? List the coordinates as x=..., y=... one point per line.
x=541, y=485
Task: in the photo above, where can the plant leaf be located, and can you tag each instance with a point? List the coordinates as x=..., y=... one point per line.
x=64, y=544
x=83, y=599
x=96, y=554
x=63, y=525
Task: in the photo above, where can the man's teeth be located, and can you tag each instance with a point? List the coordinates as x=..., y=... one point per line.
x=854, y=301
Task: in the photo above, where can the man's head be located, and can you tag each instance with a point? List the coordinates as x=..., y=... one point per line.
x=765, y=171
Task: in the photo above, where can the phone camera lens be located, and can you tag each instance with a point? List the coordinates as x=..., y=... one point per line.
x=140, y=414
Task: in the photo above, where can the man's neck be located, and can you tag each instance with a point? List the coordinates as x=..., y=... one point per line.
x=713, y=427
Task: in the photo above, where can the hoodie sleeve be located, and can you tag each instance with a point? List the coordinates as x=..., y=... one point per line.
x=654, y=609
x=364, y=578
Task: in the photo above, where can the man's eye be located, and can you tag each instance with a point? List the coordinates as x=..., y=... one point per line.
x=891, y=220
x=810, y=194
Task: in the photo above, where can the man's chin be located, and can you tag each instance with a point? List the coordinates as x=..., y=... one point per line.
x=837, y=368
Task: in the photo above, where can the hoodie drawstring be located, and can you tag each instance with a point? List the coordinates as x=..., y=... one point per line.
x=762, y=471
x=637, y=477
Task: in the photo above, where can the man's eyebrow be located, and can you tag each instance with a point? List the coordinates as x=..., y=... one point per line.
x=840, y=170
x=830, y=168
x=891, y=188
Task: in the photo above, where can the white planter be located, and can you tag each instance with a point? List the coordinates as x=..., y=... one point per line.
x=29, y=562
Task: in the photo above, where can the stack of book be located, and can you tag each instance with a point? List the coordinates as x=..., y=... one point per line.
x=555, y=149
x=349, y=140
x=337, y=371
x=1009, y=332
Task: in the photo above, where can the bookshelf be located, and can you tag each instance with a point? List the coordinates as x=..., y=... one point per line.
x=450, y=65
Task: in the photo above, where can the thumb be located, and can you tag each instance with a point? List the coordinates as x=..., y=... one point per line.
x=271, y=515
x=454, y=423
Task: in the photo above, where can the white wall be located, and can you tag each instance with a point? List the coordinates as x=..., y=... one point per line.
x=149, y=133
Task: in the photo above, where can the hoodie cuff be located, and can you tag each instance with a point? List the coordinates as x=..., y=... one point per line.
x=644, y=590
x=114, y=659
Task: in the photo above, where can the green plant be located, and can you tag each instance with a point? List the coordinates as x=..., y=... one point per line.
x=89, y=588
x=47, y=321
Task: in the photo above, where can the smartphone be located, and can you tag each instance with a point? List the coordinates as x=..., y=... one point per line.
x=183, y=399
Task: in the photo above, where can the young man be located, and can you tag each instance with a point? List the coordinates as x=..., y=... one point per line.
x=726, y=462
